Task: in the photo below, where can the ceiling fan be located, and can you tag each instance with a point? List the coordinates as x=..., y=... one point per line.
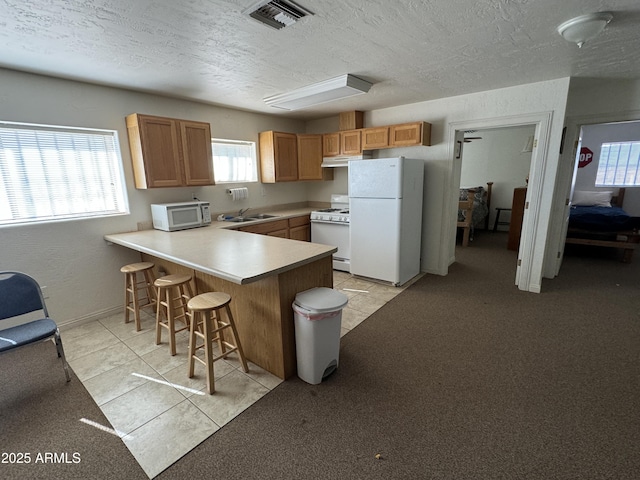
x=469, y=139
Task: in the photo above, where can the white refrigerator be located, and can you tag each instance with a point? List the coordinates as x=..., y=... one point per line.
x=385, y=205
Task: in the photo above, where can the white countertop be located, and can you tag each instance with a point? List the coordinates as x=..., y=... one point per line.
x=218, y=250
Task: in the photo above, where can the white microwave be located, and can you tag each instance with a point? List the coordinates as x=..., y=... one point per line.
x=180, y=216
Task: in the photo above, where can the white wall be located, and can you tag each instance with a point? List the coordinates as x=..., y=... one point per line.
x=81, y=271
x=497, y=157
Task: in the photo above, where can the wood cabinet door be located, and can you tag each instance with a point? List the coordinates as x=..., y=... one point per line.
x=159, y=155
x=286, y=156
x=196, y=153
x=331, y=144
x=278, y=157
x=279, y=233
x=300, y=228
x=410, y=134
x=309, y=157
x=302, y=233
x=350, y=142
x=375, y=138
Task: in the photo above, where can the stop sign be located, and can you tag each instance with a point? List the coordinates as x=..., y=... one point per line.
x=586, y=156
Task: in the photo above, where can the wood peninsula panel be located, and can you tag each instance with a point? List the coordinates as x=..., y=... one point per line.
x=262, y=309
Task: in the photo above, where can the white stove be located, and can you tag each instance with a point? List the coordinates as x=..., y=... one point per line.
x=330, y=226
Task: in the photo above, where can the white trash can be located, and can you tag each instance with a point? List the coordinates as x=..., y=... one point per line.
x=318, y=317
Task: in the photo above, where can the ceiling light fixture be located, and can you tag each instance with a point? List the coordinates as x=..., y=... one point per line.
x=585, y=27
x=326, y=91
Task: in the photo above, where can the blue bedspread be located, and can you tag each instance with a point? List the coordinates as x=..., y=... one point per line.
x=602, y=219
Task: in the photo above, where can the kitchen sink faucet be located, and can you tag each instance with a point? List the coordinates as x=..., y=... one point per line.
x=243, y=211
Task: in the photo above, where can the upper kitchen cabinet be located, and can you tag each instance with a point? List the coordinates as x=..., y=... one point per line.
x=168, y=152
x=351, y=142
x=278, y=157
x=331, y=144
x=287, y=157
x=410, y=134
x=310, y=158
x=376, y=137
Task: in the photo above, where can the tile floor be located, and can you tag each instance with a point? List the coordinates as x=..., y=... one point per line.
x=146, y=394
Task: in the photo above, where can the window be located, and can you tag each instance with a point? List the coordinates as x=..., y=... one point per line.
x=58, y=173
x=618, y=164
x=234, y=161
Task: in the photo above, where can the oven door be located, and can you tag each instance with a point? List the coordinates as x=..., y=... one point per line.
x=337, y=235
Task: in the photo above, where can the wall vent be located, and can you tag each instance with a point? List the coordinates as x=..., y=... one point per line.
x=277, y=13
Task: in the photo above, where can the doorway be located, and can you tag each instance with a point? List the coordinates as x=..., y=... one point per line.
x=501, y=156
x=533, y=237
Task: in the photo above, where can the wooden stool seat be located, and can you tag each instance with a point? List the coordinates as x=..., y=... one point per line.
x=207, y=325
x=174, y=291
x=132, y=302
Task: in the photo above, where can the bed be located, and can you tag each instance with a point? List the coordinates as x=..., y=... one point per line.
x=473, y=210
x=597, y=219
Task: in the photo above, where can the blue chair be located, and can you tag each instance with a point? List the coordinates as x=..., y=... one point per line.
x=20, y=295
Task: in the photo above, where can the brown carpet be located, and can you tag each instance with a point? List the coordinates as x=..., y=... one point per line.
x=40, y=416
x=459, y=377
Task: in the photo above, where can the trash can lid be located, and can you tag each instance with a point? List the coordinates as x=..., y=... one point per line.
x=321, y=299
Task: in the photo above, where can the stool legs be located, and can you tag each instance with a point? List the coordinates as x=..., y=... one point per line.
x=211, y=329
x=132, y=301
x=170, y=299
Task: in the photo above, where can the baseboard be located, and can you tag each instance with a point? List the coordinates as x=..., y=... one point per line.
x=92, y=317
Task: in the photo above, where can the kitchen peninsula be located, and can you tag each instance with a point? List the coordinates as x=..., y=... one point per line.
x=262, y=273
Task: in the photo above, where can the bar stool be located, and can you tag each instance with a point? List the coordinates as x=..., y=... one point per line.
x=174, y=291
x=132, y=285
x=205, y=310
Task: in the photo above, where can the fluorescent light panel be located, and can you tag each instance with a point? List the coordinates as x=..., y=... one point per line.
x=322, y=92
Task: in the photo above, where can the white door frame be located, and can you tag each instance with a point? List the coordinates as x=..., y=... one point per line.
x=532, y=247
x=567, y=168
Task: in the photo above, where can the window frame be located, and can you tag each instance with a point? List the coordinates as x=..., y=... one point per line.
x=254, y=159
x=113, y=173
x=602, y=171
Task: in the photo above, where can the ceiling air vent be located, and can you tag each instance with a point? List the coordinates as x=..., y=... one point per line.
x=277, y=13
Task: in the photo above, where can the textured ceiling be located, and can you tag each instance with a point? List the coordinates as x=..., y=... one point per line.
x=208, y=50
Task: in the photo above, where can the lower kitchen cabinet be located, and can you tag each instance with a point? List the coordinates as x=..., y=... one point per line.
x=300, y=228
x=296, y=228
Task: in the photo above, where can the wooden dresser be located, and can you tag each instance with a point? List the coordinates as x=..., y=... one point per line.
x=517, y=212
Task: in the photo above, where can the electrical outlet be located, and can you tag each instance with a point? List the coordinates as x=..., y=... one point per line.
x=264, y=192
x=45, y=292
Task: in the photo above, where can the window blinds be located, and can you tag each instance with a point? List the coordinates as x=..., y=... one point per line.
x=50, y=173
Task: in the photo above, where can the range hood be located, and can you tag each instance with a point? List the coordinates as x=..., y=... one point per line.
x=343, y=161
